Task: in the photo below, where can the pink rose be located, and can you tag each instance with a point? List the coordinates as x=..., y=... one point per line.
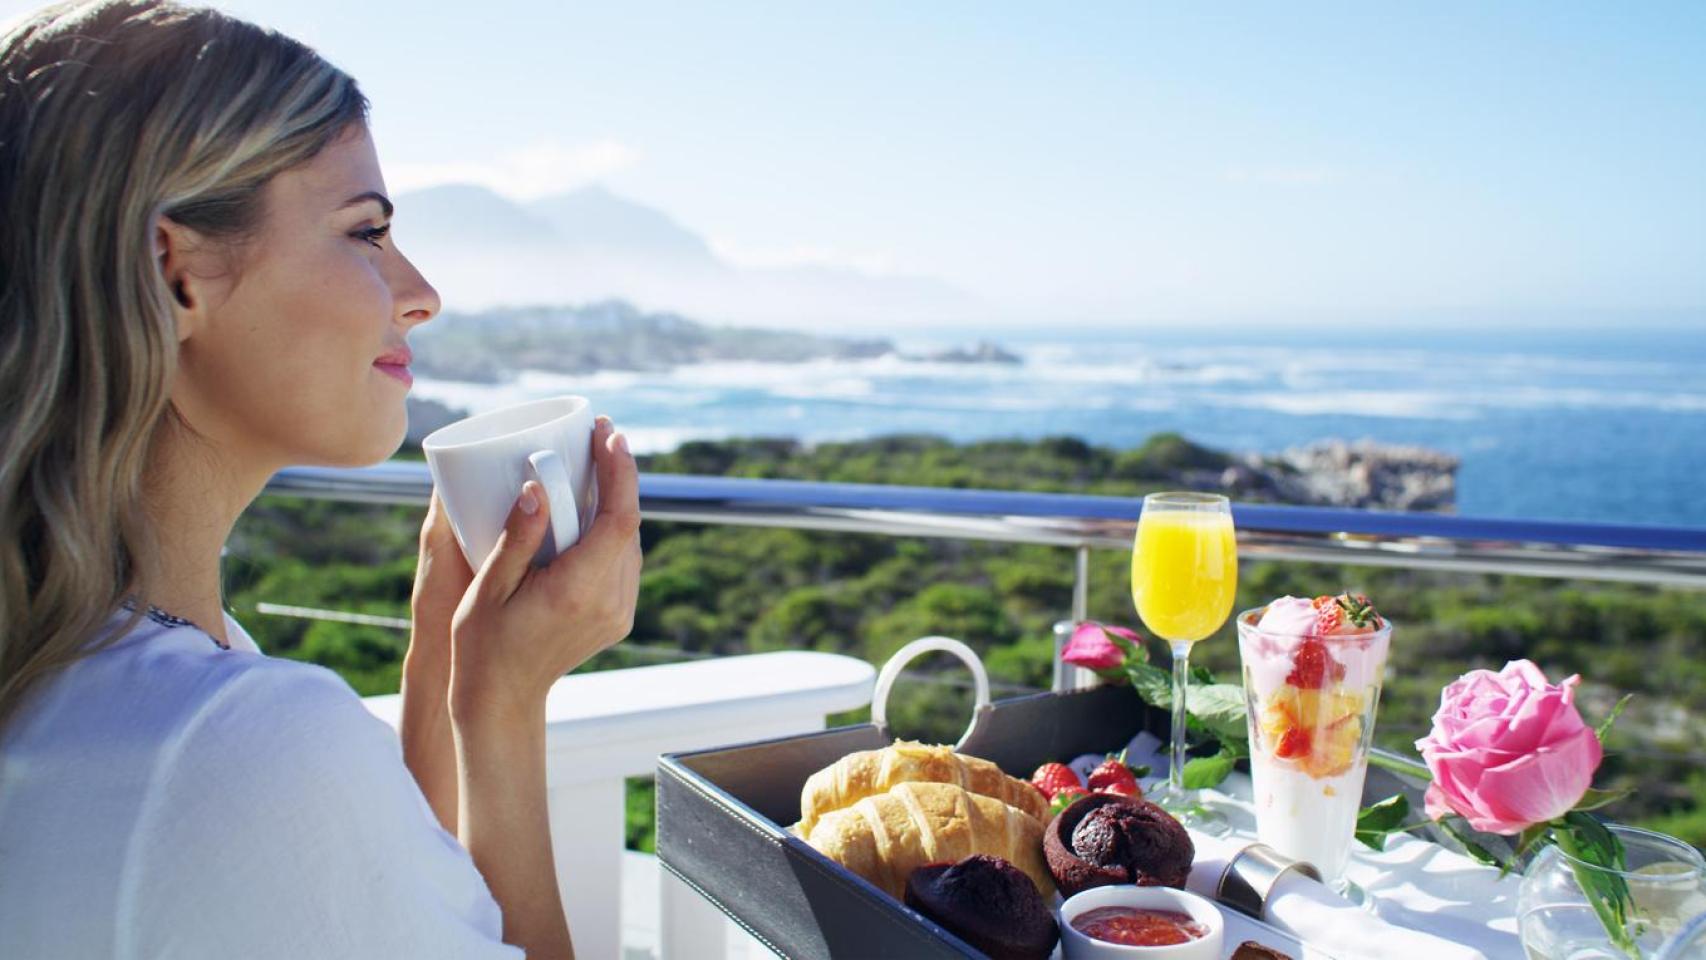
x=1091, y=647
x=1508, y=749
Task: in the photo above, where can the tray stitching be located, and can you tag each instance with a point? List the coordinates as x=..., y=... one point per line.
x=864, y=900
x=761, y=938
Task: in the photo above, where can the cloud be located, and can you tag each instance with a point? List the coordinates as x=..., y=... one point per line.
x=534, y=171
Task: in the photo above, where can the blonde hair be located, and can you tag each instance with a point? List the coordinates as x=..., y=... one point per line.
x=111, y=115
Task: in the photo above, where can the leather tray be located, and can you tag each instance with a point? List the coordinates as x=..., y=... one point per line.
x=722, y=816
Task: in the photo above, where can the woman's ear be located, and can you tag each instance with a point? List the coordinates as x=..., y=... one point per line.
x=179, y=253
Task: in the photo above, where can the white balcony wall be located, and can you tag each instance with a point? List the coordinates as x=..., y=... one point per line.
x=602, y=728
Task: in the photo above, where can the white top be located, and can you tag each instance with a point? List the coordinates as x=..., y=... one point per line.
x=168, y=798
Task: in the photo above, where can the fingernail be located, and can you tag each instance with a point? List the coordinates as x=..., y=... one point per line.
x=603, y=420
x=621, y=443
x=529, y=498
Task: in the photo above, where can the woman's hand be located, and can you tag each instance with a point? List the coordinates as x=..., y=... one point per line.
x=520, y=627
x=442, y=576
x=517, y=629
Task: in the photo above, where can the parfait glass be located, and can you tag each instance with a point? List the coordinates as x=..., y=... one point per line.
x=1311, y=702
x=1184, y=574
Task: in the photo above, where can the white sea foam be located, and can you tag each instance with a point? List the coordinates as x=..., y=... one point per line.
x=1392, y=404
x=1127, y=385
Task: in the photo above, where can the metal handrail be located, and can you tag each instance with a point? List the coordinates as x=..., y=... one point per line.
x=1593, y=551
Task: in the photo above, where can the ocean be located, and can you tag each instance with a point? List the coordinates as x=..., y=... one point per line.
x=1598, y=426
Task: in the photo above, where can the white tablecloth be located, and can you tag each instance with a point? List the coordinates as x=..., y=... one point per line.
x=1414, y=883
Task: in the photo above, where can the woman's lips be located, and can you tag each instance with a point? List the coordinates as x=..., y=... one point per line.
x=398, y=370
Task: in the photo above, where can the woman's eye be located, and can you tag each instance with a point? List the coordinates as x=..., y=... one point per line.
x=373, y=235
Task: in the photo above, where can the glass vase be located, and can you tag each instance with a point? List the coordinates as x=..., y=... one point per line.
x=1666, y=879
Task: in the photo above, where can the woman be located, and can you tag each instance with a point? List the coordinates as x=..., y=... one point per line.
x=198, y=287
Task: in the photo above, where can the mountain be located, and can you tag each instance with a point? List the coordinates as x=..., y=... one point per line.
x=460, y=214
x=482, y=250
x=593, y=218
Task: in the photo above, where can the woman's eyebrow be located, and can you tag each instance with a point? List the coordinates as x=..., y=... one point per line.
x=383, y=201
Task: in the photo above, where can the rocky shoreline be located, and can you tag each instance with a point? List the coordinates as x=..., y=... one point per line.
x=1363, y=474
x=489, y=347
x=1330, y=473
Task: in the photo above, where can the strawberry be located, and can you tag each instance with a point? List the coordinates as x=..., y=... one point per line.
x=1312, y=666
x=1113, y=776
x=1293, y=743
x=1066, y=798
x=1328, y=615
x=1052, y=778
x=1359, y=611
x=1132, y=789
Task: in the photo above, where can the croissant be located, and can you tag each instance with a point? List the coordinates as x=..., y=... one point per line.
x=869, y=772
x=886, y=837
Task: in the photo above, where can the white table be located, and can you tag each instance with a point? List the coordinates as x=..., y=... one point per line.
x=1413, y=883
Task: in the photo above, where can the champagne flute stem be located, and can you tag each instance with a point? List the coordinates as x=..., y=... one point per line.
x=1181, y=678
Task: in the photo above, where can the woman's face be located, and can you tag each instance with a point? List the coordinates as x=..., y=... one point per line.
x=292, y=346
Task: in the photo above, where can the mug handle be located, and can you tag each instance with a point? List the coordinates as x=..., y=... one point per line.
x=548, y=469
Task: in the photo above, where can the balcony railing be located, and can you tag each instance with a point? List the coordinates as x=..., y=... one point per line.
x=604, y=727
x=1434, y=541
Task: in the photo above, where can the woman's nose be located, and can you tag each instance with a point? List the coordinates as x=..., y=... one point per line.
x=417, y=301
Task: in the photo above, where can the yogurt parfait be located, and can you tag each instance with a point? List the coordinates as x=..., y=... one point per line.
x=1312, y=672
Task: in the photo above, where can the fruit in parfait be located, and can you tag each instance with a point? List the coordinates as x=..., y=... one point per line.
x=1319, y=732
x=1311, y=719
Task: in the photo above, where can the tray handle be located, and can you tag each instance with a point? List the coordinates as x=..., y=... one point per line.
x=903, y=656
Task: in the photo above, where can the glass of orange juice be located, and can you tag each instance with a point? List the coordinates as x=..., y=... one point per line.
x=1184, y=574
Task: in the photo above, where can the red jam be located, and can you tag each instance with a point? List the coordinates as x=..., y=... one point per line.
x=1139, y=927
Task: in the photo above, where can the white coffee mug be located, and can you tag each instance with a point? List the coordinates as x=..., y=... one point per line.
x=479, y=464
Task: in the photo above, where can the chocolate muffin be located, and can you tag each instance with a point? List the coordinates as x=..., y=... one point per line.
x=1251, y=950
x=988, y=903
x=1104, y=839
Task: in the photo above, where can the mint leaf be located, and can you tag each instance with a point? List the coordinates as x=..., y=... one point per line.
x=1220, y=708
x=1203, y=772
x=1378, y=820
x=1604, y=727
x=1153, y=684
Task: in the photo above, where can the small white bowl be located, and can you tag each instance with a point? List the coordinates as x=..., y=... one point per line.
x=1077, y=946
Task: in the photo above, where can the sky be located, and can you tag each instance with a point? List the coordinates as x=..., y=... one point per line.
x=1510, y=164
